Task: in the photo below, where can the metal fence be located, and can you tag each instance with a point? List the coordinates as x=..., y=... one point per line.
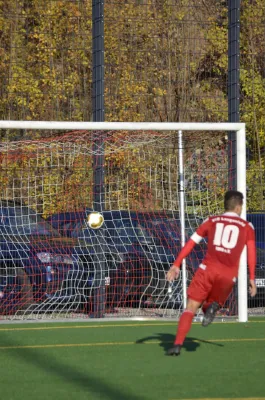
x=153, y=60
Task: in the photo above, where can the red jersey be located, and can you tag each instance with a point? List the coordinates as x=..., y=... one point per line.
x=227, y=236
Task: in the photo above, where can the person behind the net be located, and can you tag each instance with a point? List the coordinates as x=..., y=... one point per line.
x=227, y=235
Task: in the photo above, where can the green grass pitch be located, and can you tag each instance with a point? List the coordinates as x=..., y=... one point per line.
x=126, y=361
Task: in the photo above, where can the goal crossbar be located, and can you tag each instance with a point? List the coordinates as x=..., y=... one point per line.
x=156, y=126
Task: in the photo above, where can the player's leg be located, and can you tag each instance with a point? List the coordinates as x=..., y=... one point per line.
x=184, y=326
x=197, y=292
x=210, y=309
x=221, y=290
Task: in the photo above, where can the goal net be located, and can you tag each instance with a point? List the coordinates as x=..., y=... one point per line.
x=154, y=183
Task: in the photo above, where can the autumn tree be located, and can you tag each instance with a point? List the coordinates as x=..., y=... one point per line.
x=165, y=60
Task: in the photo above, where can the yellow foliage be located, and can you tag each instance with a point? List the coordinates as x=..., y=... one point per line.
x=162, y=63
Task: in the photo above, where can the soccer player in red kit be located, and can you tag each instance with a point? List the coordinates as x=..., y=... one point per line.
x=227, y=235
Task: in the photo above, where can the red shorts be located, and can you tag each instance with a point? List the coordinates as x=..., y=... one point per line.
x=211, y=284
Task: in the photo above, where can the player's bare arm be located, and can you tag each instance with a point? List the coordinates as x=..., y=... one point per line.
x=252, y=288
x=173, y=273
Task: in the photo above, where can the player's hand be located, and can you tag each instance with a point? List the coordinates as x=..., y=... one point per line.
x=173, y=273
x=252, y=288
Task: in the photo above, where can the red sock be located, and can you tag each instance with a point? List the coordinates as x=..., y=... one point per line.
x=184, y=326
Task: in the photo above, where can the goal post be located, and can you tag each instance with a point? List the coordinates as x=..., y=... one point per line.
x=139, y=176
x=242, y=187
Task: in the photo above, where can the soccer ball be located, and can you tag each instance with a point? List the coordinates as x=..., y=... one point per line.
x=95, y=220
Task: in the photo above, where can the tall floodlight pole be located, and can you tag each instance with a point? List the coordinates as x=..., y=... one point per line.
x=233, y=84
x=236, y=150
x=98, y=149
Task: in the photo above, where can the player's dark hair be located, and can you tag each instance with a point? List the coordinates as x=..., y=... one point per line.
x=232, y=199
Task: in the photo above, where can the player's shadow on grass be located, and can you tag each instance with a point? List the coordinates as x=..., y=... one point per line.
x=166, y=341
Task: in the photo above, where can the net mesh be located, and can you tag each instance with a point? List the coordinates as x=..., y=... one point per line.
x=55, y=265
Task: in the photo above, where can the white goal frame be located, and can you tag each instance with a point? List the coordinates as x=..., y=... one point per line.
x=238, y=128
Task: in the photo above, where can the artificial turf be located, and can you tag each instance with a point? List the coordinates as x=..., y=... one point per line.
x=126, y=361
